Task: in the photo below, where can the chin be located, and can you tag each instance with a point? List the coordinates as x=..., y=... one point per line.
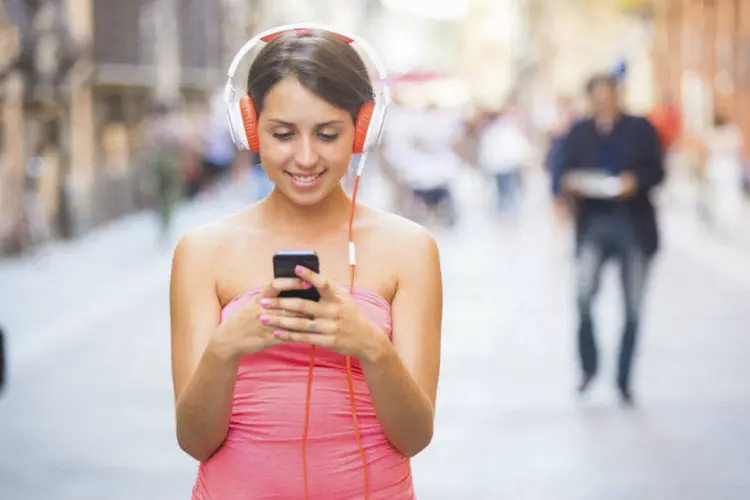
x=308, y=200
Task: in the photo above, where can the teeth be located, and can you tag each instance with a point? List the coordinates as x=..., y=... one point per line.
x=305, y=179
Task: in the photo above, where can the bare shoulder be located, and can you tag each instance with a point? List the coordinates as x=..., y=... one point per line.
x=205, y=242
x=195, y=308
x=400, y=227
x=409, y=243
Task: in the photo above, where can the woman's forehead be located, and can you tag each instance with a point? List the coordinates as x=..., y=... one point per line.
x=291, y=102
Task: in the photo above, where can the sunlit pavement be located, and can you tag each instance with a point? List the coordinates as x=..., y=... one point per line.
x=89, y=411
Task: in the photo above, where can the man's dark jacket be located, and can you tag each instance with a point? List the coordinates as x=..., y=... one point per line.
x=637, y=149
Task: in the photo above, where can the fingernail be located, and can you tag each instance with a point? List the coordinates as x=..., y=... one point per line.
x=264, y=318
x=306, y=285
x=265, y=302
x=299, y=269
x=277, y=334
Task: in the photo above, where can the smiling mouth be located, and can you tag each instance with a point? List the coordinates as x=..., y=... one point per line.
x=305, y=179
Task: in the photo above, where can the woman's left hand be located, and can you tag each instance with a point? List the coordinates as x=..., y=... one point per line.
x=335, y=322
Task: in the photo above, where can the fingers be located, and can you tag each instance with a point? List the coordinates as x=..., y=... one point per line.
x=326, y=341
x=310, y=326
x=283, y=312
x=298, y=306
x=283, y=284
x=324, y=287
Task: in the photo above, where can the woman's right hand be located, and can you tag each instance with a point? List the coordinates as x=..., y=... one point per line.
x=243, y=333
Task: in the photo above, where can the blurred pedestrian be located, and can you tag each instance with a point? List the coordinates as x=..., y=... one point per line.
x=3, y=366
x=38, y=230
x=164, y=157
x=666, y=117
x=504, y=152
x=396, y=150
x=218, y=151
x=624, y=151
x=724, y=176
x=431, y=165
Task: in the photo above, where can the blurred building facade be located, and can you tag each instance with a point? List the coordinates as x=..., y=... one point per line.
x=133, y=53
x=136, y=52
x=572, y=39
x=494, y=49
x=538, y=51
x=702, y=59
x=145, y=51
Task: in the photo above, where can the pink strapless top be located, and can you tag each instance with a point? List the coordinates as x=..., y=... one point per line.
x=261, y=457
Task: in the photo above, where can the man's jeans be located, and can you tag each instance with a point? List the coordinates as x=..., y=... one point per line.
x=508, y=190
x=610, y=236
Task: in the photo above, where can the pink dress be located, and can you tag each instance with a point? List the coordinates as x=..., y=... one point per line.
x=261, y=457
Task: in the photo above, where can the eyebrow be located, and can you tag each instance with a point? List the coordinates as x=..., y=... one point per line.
x=290, y=124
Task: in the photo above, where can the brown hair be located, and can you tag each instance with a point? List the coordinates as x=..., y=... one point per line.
x=322, y=62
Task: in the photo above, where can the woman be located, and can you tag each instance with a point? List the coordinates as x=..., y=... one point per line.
x=240, y=354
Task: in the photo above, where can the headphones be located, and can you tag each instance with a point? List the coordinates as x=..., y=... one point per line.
x=241, y=111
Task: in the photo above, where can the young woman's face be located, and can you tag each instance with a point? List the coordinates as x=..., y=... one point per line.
x=305, y=142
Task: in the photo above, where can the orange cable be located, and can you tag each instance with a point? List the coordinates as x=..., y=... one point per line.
x=307, y=418
x=349, y=377
x=348, y=358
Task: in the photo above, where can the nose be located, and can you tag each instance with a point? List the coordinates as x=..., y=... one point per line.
x=305, y=155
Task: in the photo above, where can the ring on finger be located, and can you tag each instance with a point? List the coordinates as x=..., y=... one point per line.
x=312, y=327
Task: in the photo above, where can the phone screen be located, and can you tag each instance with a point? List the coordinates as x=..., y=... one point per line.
x=284, y=263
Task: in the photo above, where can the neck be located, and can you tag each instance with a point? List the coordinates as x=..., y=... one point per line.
x=329, y=214
x=607, y=119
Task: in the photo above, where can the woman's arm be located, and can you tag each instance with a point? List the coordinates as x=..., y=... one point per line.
x=403, y=376
x=203, y=371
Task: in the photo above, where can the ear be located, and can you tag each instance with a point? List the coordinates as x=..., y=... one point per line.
x=250, y=122
x=362, y=125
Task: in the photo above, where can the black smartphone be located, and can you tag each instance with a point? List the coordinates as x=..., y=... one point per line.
x=284, y=263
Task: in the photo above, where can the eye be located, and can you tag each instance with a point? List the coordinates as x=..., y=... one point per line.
x=328, y=137
x=283, y=136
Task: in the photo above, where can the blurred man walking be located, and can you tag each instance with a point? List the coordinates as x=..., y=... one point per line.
x=614, y=215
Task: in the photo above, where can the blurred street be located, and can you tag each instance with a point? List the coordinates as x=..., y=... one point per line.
x=89, y=413
x=114, y=142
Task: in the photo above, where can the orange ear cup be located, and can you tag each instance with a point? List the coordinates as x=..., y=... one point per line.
x=360, y=127
x=250, y=122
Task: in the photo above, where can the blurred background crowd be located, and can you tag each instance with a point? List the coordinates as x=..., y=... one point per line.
x=114, y=141
x=84, y=83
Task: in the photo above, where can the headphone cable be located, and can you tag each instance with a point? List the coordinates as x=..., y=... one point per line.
x=350, y=380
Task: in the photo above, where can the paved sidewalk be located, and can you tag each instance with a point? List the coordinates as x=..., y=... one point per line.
x=47, y=295
x=89, y=414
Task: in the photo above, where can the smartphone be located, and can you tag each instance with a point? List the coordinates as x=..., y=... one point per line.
x=284, y=263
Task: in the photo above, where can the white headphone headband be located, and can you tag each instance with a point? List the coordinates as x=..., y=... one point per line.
x=250, y=44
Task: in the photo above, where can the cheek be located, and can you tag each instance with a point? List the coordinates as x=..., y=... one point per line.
x=336, y=156
x=275, y=154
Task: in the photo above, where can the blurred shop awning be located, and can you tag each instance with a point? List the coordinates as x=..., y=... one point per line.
x=420, y=87
x=415, y=77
